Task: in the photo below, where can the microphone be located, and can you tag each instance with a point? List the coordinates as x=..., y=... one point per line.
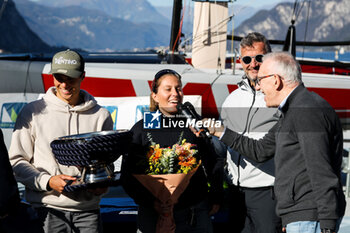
x=190, y=113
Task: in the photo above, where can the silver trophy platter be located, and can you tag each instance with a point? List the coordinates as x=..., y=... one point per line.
x=94, y=154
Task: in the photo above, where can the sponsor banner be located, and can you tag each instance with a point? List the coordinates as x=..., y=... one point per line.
x=11, y=104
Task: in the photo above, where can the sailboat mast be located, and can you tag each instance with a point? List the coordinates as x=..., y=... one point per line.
x=175, y=25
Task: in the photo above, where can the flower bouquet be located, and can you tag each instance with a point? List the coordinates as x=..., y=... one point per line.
x=169, y=173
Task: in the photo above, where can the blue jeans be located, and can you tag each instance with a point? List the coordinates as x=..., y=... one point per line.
x=307, y=227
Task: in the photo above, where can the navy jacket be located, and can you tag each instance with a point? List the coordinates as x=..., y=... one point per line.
x=307, y=143
x=9, y=196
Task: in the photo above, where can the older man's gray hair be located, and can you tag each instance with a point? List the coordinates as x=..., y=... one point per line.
x=286, y=66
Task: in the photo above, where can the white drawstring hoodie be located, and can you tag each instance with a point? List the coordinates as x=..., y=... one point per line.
x=244, y=110
x=38, y=124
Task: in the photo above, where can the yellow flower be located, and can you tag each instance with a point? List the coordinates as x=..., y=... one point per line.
x=175, y=159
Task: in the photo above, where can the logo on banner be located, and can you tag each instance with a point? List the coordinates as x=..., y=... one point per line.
x=9, y=114
x=113, y=110
x=151, y=120
x=140, y=111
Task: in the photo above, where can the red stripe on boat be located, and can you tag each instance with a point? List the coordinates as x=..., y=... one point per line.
x=100, y=87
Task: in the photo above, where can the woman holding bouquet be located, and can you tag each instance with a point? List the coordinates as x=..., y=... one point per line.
x=196, y=200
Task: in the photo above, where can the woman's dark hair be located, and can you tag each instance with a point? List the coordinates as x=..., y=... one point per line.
x=156, y=82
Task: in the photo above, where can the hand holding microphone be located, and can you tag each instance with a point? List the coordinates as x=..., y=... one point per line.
x=190, y=113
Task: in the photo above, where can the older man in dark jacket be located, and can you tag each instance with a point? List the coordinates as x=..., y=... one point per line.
x=15, y=217
x=307, y=143
x=9, y=196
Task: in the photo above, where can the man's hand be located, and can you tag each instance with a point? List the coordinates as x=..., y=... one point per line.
x=58, y=182
x=216, y=131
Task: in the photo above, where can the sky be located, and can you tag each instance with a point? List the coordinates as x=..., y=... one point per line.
x=255, y=3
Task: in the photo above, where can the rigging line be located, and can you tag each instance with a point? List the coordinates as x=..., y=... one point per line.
x=218, y=65
x=188, y=18
x=306, y=26
x=301, y=43
x=212, y=83
x=299, y=10
x=204, y=32
x=196, y=31
x=294, y=10
x=202, y=45
x=232, y=41
x=224, y=21
x=242, y=7
x=180, y=29
x=199, y=35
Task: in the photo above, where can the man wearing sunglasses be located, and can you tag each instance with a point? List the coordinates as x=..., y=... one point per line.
x=251, y=199
x=64, y=110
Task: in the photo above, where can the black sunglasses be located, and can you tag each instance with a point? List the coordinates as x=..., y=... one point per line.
x=161, y=73
x=248, y=59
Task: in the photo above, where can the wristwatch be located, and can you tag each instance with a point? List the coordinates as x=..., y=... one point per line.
x=326, y=230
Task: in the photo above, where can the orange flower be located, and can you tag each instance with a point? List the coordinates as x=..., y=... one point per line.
x=171, y=160
x=191, y=161
x=158, y=153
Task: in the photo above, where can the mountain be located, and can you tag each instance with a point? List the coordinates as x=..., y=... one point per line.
x=91, y=30
x=136, y=11
x=16, y=36
x=241, y=13
x=95, y=30
x=166, y=11
x=328, y=21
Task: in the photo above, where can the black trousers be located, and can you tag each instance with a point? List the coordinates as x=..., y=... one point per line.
x=252, y=210
x=23, y=220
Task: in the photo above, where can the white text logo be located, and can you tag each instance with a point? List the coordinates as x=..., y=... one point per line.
x=61, y=60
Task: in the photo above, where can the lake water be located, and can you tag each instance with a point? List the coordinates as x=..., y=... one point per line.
x=326, y=55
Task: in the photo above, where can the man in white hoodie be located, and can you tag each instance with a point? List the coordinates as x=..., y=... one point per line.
x=64, y=110
x=252, y=204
